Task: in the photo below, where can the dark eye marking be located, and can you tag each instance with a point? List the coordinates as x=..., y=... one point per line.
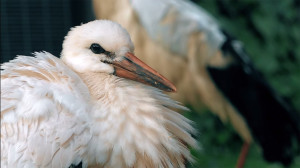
x=97, y=49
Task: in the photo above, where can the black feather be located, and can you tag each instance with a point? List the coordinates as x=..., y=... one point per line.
x=76, y=166
x=271, y=119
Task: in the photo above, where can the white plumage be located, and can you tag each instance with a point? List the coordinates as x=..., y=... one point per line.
x=209, y=67
x=59, y=112
x=180, y=40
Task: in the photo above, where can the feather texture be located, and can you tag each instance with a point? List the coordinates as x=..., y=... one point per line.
x=52, y=116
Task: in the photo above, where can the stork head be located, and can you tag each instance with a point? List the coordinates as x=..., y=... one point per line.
x=104, y=46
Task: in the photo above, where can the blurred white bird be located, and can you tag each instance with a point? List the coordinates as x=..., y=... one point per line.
x=87, y=108
x=186, y=44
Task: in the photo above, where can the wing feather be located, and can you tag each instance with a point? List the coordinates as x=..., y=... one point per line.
x=44, y=109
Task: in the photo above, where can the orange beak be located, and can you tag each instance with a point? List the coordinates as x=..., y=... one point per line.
x=133, y=68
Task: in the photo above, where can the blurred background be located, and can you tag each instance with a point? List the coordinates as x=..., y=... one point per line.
x=268, y=29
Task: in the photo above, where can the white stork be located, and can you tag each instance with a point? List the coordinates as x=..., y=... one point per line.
x=210, y=67
x=87, y=108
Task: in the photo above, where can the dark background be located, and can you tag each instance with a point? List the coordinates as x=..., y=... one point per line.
x=39, y=25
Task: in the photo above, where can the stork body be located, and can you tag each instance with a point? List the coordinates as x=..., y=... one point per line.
x=209, y=67
x=84, y=108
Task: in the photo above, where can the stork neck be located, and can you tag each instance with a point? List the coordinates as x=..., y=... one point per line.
x=134, y=123
x=99, y=84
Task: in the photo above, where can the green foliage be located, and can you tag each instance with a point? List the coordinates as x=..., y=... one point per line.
x=270, y=31
x=220, y=145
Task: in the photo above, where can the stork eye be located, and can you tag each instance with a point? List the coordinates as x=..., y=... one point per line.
x=97, y=49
